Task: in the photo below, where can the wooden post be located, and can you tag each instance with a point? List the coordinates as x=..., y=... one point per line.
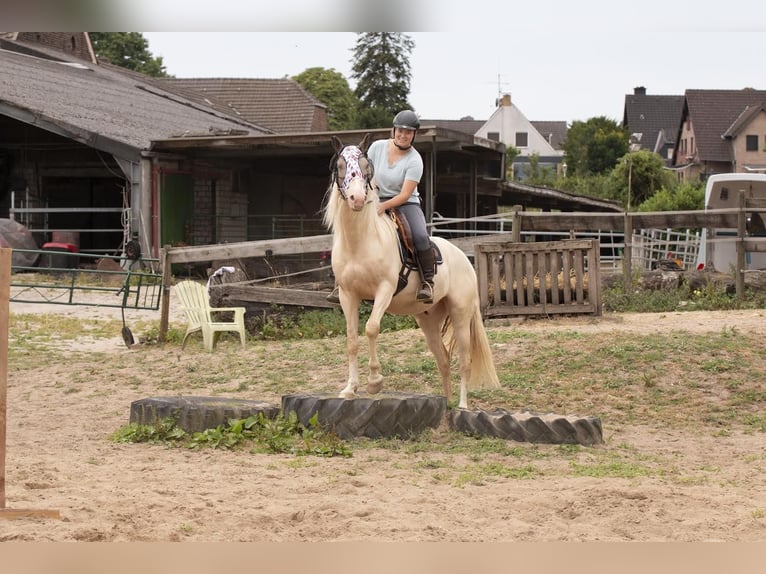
x=167, y=275
x=627, y=253
x=516, y=224
x=741, y=231
x=5, y=296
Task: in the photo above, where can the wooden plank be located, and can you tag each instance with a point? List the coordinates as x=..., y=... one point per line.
x=555, y=270
x=275, y=295
x=268, y=247
x=579, y=275
x=5, y=290
x=480, y=262
x=495, y=278
x=5, y=295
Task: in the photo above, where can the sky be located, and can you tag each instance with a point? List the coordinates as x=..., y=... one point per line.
x=560, y=60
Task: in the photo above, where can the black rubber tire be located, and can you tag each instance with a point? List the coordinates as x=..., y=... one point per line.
x=384, y=415
x=528, y=427
x=196, y=414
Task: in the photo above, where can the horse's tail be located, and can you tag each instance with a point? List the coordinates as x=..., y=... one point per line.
x=483, y=373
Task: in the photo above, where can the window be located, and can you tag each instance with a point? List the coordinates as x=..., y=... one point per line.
x=521, y=139
x=751, y=143
x=494, y=136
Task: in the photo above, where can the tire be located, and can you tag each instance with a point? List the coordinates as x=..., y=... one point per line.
x=196, y=414
x=528, y=427
x=386, y=415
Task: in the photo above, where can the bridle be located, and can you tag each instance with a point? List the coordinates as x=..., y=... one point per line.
x=356, y=166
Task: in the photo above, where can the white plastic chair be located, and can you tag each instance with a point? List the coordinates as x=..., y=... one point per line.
x=199, y=313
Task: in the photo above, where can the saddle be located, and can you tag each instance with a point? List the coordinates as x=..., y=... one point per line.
x=407, y=250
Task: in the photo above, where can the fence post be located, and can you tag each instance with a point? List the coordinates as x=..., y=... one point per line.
x=167, y=276
x=627, y=253
x=516, y=224
x=741, y=230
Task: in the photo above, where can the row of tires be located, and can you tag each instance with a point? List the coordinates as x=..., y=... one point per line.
x=386, y=415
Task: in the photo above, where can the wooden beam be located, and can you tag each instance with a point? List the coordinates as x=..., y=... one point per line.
x=5, y=292
x=243, y=249
x=5, y=296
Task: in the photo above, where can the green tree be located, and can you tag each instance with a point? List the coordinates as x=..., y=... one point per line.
x=539, y=175
x=594, y=146
x=684, y=197
x=640, y=175
x=381, y=68
x=331, y=88
x=128, y=50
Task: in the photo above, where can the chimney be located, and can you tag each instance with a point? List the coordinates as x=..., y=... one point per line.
x=639, y=91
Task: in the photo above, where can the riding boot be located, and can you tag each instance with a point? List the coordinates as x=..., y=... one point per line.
x=425, y=258
x=334, y=297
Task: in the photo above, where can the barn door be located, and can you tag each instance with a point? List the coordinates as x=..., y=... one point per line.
x=177, y=209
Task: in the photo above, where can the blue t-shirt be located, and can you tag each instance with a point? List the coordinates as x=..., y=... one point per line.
x=390, y=178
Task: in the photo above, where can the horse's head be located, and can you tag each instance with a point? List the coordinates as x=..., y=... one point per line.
x=352, y=172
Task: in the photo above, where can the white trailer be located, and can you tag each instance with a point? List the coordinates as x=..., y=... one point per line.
x=718, y=247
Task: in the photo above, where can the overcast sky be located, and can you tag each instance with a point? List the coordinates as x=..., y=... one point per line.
x=559, y=60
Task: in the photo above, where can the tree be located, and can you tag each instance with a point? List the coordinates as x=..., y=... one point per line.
x=332, y=89
x=640, y=175
x=593, y=147
x=381, y=68
x=128, y=50
x=685, y=197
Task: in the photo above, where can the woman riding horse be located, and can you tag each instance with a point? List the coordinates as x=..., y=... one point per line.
x=398, y=168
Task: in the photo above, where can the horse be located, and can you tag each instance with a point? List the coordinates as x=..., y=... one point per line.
x=366, y=263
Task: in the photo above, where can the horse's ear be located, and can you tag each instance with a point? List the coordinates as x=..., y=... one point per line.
x=365, y=143
x=336, y=143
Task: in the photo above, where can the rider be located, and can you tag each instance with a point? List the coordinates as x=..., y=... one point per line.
x=398, y=168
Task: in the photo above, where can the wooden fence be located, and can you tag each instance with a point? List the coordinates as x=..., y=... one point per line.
x=545, y=278
x=540, y=222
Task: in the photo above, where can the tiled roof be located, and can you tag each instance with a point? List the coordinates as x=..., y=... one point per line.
x=465, y=126
x=712, y=113
x=744, y=119
x=103, y=106
x=554, y=132
x=650, y=115
x=282, y=105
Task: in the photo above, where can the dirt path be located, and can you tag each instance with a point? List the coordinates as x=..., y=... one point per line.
x=59, y=457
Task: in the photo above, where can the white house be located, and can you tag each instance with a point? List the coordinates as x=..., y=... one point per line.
x=510, y=126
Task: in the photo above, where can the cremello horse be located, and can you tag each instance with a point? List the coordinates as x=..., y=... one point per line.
x=366, y=264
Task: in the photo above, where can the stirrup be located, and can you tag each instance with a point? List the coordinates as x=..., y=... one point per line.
x=334, y=297
x=425, y=293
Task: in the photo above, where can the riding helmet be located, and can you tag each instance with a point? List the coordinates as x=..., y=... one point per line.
x=406, y=119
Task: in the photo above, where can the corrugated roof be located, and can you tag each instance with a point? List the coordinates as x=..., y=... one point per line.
x=101, y=106
x=712, y=113
x=282, y=105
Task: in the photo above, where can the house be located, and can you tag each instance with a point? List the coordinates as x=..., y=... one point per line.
x=509, y=125
x=652, y=121
x=548, y=134
x=281, y=105
x=106, y=154
x=721, y=131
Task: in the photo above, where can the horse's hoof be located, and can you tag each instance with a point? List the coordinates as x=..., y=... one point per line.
x=374, y=388
x=347, y=393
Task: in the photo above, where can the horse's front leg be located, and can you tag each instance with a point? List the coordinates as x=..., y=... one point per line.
x=351, y=312
x=372, y=330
